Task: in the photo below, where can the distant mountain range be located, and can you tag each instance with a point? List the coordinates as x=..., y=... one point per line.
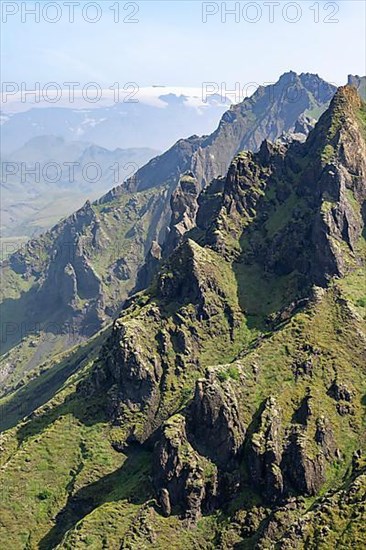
x=49, y=177
x=126, y=135
x=120, y=125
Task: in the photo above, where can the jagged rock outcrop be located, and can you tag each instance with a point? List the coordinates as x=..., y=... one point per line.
x=304, y=125
x=303, y=472
x=121, y=269
x=305, y=411
x=340, y=392
x=150, y=267
x=134, y=365
x=180, y=279
x=341, y=183
x=68, y=286
x=344, y=397
x=214, y=421
x=300, y=131
x=265, y=452
x=279, y=463
x=232, y=202
x=191, y=276
x=184, y=206
x=181, y=476
x=324, y=436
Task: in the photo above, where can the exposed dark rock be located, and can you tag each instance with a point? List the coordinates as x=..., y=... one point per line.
x=214, y=421
x=302, y=367
x=340, y=392
x=150, y=267
x=305, y=473
x=304, y=125
x=265, y=451
x=344, y=409
x=121, y=269
x=69, y=287
x=190, y=277
x=134, y=367
x=325, y=438
x=184, y=207
x=300, y=131
x=181, y=476
x=304, y=412
x=164, y=500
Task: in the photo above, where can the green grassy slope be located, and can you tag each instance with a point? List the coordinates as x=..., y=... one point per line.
x=63, y=481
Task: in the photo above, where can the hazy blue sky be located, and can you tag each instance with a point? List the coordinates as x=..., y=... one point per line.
x=171, y=45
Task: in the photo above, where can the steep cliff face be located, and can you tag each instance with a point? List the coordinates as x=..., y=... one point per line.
x=215, y=424
x=183, y=477
x=184, y=206
x=265, y=452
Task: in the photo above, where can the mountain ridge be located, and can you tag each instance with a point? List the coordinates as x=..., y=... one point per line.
x=115, y=274
x=226, y=405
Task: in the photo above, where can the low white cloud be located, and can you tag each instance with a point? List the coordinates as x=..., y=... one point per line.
x=17, y=101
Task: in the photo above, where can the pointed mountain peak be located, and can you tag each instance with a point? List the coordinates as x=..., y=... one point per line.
x=288, y=76
x=308, y=80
